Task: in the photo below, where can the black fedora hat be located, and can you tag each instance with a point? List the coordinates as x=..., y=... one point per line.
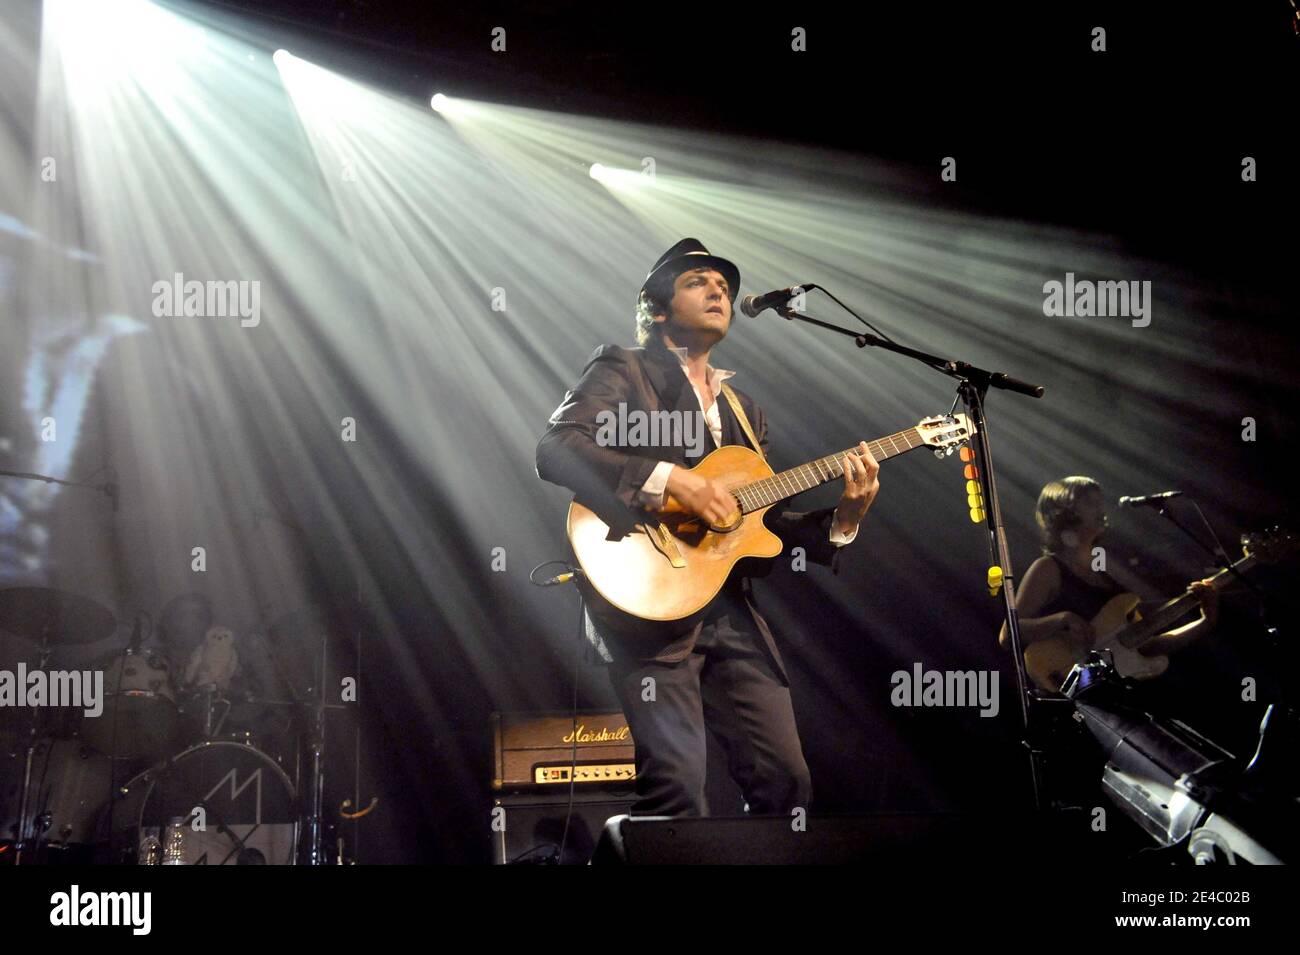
x=688, y=254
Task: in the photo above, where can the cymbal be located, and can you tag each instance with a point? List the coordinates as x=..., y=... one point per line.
x=66, y=618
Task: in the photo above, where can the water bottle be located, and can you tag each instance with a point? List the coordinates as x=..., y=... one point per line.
x=173, y=842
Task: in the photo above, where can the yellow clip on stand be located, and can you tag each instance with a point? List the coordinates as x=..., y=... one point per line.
x=995, y=580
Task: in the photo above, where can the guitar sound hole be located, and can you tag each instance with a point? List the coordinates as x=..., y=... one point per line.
x=728, y=528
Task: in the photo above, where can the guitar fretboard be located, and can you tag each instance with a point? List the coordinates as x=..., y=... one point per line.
x=1159, y=619
x=805, y=477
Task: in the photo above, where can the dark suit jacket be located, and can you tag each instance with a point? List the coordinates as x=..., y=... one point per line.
x=607, y=480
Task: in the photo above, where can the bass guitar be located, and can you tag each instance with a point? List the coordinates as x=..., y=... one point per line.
x=1122, y=631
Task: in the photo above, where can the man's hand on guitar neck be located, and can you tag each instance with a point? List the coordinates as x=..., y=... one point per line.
x=861, y=485
x=701, y=497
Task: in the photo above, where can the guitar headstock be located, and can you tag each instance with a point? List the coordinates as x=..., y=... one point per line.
x=1269, y=546
x=945, y=433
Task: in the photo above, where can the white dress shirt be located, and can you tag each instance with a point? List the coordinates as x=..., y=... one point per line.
x=654, y=493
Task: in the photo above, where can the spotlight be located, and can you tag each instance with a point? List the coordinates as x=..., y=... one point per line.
x=618, y=180
x=281, y=58
x=440, y=102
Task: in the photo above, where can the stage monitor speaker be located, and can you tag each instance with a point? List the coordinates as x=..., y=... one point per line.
x=837, y=840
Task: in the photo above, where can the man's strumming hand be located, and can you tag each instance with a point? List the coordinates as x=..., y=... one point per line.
x=701, y=497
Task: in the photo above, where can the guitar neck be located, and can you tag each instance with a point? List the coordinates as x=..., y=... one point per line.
x=805, y=477
x=1174, y=610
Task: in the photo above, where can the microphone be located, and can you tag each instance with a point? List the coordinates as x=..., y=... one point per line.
x=1148, y=500
x=751, y=305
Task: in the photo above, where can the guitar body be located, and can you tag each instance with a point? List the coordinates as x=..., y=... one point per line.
x=1049, y=661
x=674, y=564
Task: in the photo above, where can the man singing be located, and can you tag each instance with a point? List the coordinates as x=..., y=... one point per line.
x=719, y=668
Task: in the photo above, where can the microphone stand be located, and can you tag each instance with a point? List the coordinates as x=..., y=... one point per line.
x=973, y=384
x=25, y=794
x=316, y=755
x=1218, y=552
x=1278, y=648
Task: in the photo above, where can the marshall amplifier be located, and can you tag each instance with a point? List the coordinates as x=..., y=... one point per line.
x=540, y=752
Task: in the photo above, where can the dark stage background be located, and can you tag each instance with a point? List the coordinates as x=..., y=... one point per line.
x=1121, y=165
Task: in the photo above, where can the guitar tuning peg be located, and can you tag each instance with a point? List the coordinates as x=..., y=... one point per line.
x=938, y=453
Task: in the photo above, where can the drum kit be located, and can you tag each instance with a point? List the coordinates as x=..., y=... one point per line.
x=171, y=771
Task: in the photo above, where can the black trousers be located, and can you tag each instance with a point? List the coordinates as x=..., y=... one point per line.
x=728, y=685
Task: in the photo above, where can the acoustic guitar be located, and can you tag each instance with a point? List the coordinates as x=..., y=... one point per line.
x=674, y=563
x=1122, y=631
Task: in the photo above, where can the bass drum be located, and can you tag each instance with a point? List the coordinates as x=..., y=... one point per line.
x=249, y=810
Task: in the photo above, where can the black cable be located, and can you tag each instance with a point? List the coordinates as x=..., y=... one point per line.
x=832, y=297
x=532, y=579
x=573, y=761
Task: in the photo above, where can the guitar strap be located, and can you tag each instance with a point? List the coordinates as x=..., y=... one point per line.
x=742, y=418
